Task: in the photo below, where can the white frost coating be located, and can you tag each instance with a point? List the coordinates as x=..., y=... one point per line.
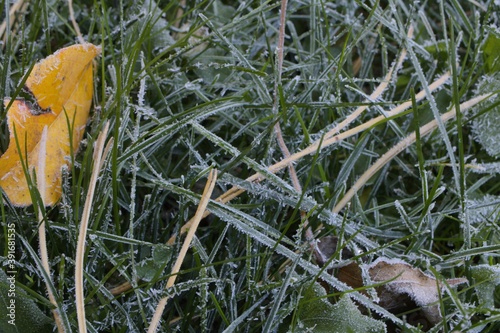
x=483, y=209
x=486, y=127
x=38, y=76
x=308, y=266
x=142, y=84
x=147, y=112
x=392, y=261
x=490, y=168
x=193, y=85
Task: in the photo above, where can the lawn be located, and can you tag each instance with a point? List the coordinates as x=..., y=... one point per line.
x=257, y=166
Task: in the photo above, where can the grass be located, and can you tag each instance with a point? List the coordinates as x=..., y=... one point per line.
x=387, y=158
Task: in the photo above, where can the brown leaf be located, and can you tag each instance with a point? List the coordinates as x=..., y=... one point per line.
x=350, y=273
x=404, y=287
x=405, y=281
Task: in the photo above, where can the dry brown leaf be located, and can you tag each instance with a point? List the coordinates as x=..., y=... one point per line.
x=403, y=288
x=405, y=281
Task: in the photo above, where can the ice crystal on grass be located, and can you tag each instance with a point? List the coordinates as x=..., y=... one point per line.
x=483, y=208
x=486, y=126
x=489, y=168
x=160, y=83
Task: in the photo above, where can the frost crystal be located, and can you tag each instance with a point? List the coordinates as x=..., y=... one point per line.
x=486, y=126
x=490, y=168
x=482, y=209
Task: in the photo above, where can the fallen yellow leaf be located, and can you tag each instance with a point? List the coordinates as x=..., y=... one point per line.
x=62, y=86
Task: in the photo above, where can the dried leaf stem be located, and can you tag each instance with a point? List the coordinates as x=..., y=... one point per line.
x=16, y=7
x=205, y=198
x=73, y=22
x=42, y=241
x=402, y=145
x=277, y=84
x=98, y=157
x=376, y=93
x=277, y=127
x=328, y=140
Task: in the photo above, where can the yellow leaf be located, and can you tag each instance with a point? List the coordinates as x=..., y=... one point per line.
x=62, y=86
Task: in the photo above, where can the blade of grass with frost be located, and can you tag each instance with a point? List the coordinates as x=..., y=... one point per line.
x=234, y=192
x=171, y=125
x=305, y=264
x=232, y=327
x=261, y=86
x=200, y=250
x=381, y=16
x=350, y=163
x=273, y=178
x=404, y=216
x=273, y=319
x=133, y=186
x=461, y=154
x=97, y=289
x=202, y=205
x=452, y=295
x=477, y=251
x=403, y=144
x=435, y=111
x=48, y=281
x=118, y=239
x=421, y=160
